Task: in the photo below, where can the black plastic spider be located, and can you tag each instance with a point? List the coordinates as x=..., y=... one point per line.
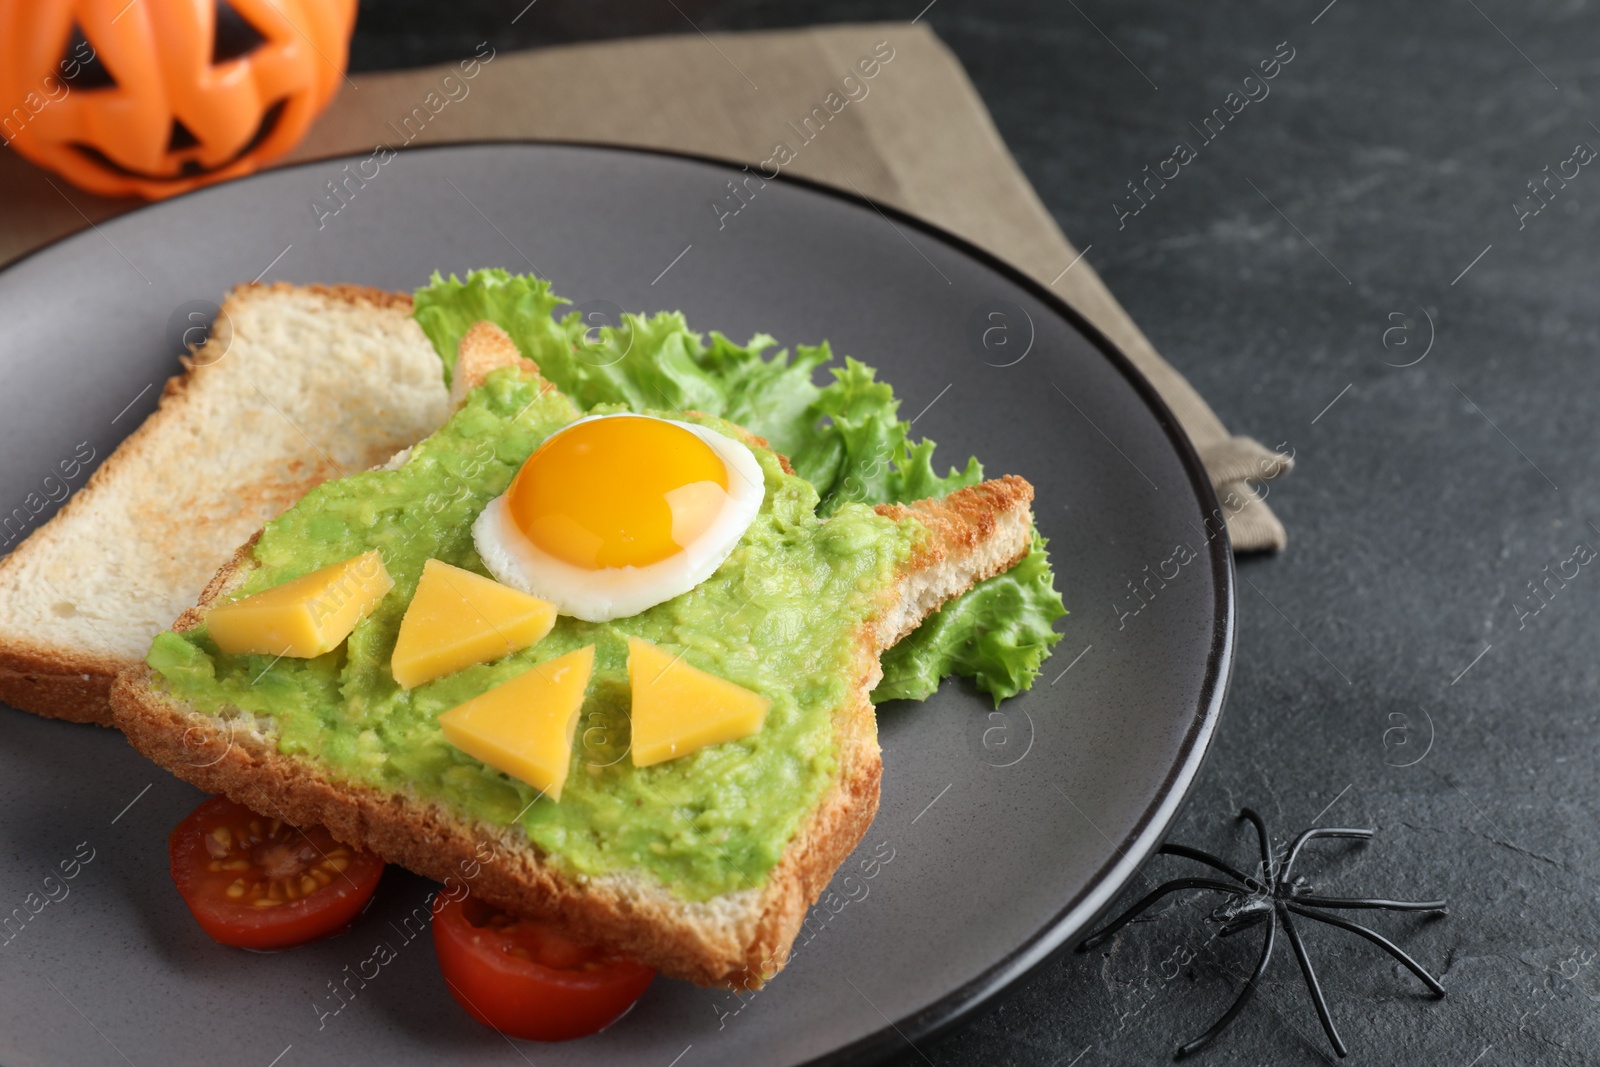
x=1254, y=901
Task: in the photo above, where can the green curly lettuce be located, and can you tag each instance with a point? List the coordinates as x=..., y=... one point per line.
x=845, y=437
x=522, y=305
x=997, y=633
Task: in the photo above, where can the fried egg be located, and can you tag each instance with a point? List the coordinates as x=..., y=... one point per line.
x=616, y=513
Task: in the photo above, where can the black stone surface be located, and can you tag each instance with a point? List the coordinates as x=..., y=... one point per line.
x=1392, y=670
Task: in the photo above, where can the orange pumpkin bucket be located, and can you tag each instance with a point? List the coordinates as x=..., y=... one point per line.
x=156, y=97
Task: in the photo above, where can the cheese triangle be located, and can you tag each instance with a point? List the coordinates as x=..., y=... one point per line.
x=458, y=618
x=524, y=727
x=306, y=616
x=678, y=709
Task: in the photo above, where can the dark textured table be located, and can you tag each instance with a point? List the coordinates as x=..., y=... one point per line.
x=1357, y=268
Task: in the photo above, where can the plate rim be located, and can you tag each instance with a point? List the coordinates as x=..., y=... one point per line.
x=957, y=1006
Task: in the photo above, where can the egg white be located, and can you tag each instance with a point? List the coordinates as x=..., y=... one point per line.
x=607, y=593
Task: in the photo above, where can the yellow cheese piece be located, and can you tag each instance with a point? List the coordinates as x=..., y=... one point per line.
x=678, y=709
x=458, y=618
x=524, y=727
x=305, y=616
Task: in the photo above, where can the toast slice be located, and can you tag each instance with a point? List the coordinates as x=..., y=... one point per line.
x=312, y=382
x=738, y=937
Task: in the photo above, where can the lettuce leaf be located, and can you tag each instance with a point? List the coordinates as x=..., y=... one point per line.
x=845, y=437
x=997, y=633
x=860, y=451
x=521, y=304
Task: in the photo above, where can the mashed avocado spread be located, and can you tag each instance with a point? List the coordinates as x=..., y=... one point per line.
x=777, y=617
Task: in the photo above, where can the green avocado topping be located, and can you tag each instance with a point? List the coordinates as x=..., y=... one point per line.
x=777, y=617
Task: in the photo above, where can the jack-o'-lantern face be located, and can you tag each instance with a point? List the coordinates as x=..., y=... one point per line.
x=155, y=97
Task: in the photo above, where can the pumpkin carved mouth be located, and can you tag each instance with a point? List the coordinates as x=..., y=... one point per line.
x=181, y=139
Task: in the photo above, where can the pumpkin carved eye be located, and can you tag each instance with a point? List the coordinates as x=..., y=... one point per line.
x=234, y=35
x=91, y=73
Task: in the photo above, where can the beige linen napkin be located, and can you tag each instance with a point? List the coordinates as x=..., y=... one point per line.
x=914, y=135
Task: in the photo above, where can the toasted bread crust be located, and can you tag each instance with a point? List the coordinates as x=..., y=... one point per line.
x=982, y=530
x=59, y=681
x=484, y=348
x=344, y=293
x=741, y=938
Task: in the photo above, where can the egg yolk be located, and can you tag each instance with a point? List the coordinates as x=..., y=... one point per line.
x=618, y=491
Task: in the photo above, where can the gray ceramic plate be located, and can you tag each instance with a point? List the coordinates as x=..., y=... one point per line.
x=1001, y=834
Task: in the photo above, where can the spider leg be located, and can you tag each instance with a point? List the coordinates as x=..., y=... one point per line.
x=1316, y=832
x=1245, y=994
x=1312, y=985
x=1361, y=902
x=1175, y=886
x=1239, y=926
x=1267, y=866
x=1377, y=939
x=1213, y=862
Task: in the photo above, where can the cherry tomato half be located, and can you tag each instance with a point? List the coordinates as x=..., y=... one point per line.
x=255, y=882
x=524, y=979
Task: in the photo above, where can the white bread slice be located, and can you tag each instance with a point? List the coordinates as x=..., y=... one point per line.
x=740, y=938
x=314, y=381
